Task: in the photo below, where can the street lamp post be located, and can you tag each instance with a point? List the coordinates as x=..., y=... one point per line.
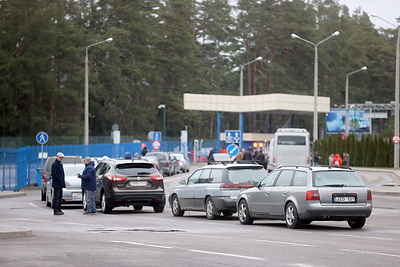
x=347, y=98
x=241, y=125
x=315, y=118
x=87, y=89
x=397, y=92
x=164, y=106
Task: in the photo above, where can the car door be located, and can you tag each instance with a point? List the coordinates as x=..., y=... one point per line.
x=100, y=170
x=185, y=192
x=258, y=197
x=278, y=193
x=200, y=189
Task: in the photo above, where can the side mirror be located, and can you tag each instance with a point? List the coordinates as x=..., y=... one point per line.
x=254, y=184
x=183, y=182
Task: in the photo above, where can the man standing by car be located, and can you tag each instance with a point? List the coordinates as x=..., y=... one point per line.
x=58, y=183
x=88, y=185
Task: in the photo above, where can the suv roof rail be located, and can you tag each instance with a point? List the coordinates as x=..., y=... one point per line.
x=245, y=161
x=339, y=167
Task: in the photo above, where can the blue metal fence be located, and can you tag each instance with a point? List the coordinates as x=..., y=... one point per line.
x=19, y=166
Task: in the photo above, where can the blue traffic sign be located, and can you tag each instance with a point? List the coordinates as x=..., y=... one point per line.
x=232, y=150
x=156, y=136
x=42, y=138
x=233, y=136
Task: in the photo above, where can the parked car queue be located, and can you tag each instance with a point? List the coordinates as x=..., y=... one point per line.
x=297, y=195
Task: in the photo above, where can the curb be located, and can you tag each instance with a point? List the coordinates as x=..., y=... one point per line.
x=7, y=194
x=14, y=232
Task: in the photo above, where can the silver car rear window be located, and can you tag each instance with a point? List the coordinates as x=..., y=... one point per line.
x=336, y=179
x=246, y=175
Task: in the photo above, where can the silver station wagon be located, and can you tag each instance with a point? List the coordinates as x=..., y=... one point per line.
x=300, y=195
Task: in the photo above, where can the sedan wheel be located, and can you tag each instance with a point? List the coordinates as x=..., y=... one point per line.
x=291, y=216
x=210, y=209
x=158, y=208
x=357, y=223
x=176, y=207
x=105, y=206
x=244, y=213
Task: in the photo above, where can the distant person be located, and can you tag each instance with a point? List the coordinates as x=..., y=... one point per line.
x=316, y=158
x=260, y=158
x=346, y=159
x=58, y=183
x=248, y=155
x=127, y=155
x=337, y=160
x=240, y=155
x=210, y=157
x=88, y=184
x=144, y=150
x=330, y=160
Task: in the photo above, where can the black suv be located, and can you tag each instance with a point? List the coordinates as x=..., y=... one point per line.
x=129, y=182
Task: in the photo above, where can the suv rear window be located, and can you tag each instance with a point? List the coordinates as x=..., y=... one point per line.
x=135, y=168
x=336, y=178
x=246, y=175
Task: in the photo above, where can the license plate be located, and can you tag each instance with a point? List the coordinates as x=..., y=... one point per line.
x=138, y=183
x=344, y=199
x=77, y=195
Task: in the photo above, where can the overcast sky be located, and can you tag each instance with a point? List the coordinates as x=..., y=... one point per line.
x=386, y=9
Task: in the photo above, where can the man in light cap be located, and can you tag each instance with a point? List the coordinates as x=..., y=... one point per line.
x=58, y=183
x=88, y=185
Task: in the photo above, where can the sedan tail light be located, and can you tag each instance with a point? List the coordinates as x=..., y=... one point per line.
x=114, y=178
x=157, y=178
x=312, y=195
x=369, y=195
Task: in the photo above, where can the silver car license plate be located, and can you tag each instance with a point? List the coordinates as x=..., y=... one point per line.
x=344, y=199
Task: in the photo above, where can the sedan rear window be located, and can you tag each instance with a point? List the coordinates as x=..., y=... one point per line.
x=247, y=175
x=336, y=179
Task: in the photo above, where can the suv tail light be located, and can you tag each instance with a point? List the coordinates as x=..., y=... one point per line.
x=234, y=186
x=167, y=163
x=114, y=178
x=312, y=195
x=43, y=178
x=369, y=195
x=157, y=178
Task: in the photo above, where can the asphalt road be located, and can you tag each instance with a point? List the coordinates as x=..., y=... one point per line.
x=144, y=238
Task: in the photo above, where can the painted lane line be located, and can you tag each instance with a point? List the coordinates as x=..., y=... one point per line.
x=227, y=254
x=140, y=244
x=368, y=237
x=206, y=236
x=283, y=243
x=33, y=205
x=371, y=252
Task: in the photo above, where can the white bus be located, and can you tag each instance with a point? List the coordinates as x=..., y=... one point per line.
x=290, y=146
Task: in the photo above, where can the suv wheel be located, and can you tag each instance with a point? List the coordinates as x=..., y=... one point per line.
x=357, y=223
x=244, y=214
x=158, y=208
x=291, y=216
x=105, y=206
x=210, y=209
x=176, y=207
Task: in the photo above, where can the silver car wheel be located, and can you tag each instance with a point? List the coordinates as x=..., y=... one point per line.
x=289, y=215
x=210, y=209
x=242, y=212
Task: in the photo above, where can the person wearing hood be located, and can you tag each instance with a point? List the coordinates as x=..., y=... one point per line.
x=337, y=160
x=88, y=185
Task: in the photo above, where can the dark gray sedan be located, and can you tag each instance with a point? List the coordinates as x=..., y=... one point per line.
x=300, y=195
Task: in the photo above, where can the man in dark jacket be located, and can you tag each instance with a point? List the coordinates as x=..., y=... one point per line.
x=88, y=185
x=58, y=183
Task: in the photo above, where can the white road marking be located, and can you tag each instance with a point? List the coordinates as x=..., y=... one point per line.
x=140, y=244
x=207, y=236
x=33, y=205
x=283, y=243
x=368, y=237
x=371, y=252
x=227, y=254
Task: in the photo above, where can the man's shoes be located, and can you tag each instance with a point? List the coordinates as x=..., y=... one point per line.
x=86, y=213
x=58, y=213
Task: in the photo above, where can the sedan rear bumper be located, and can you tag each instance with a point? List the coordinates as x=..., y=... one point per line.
x=336, y=213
